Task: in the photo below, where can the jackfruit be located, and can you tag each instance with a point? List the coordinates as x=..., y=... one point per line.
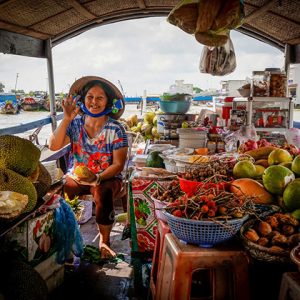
x=84, y=173
x=35, y=175
x=12, y=181
x=18, y=154
x=12, y=204
x=43, y=182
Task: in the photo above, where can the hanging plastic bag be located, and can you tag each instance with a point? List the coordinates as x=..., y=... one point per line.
x=218, y=61
x=184, y=15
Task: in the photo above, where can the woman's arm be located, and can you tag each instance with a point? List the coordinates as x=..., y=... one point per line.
x=58, y=138
x=117, y=166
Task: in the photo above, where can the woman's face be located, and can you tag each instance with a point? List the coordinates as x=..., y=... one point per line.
x=95, y=100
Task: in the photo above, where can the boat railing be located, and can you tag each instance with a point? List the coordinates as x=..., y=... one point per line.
x=47, y=155
x=29, y=126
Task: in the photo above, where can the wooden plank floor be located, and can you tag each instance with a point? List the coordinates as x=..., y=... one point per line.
x=91, y=281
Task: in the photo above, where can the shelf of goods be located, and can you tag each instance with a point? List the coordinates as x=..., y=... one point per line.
x=267, y=113
x=270, y=113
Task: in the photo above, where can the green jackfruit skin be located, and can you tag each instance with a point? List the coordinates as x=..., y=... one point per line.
x=18, y=154
x=43, y=182
x=12, y=181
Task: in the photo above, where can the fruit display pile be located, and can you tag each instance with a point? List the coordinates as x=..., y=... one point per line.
x=147, y=127
x=275, y=171
x=278, y=232
x=171, y=193
x=211, y=203
x=21, y=173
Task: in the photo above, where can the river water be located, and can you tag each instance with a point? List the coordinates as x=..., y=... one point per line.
x=29, y=116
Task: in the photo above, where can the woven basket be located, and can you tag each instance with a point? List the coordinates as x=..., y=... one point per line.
x=204, y=233
x=261, y=253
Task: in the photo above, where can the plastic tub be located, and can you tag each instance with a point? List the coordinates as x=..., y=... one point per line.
x=180, y=106
x=192, y=143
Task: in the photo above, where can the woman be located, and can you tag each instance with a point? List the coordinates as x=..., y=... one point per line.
x=98, y=142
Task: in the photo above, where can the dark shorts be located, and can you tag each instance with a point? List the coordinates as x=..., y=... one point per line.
x=103, y=194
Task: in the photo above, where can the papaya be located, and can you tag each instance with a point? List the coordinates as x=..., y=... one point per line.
x=261, y=153
x=262, y=162
x=252, y=188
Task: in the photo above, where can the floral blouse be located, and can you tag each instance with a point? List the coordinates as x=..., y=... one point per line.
x=95, y=153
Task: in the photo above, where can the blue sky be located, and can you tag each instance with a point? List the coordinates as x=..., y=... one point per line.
x=146, y=54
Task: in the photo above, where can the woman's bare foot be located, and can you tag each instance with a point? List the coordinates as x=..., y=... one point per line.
x=106, y=252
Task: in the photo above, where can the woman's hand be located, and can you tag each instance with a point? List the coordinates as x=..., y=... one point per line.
x=93, y=182
x=69, y=107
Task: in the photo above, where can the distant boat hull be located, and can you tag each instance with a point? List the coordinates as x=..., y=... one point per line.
x=8, y=104
x=31, y=106
x=10, y=111
x=58, y=106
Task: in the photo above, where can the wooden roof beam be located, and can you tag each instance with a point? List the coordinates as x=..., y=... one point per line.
x=81, y=9
x=141, y=4
x=23, y=30
x=5, y=3
x=260, y=11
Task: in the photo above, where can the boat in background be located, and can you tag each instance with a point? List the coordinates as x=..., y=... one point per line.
x=31, y=104
x=8, y=103
x=58, y=106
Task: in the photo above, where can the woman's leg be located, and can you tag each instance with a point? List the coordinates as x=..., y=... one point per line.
x=104, y=196
x=73, y=189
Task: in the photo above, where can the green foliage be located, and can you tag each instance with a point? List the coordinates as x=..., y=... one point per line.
x=2, y=86
x=197, y=89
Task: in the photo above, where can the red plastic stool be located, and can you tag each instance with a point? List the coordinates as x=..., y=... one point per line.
x=191, y=272
x=290, y=286
x=162, y=229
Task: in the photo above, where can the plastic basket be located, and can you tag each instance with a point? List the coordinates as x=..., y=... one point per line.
x=159, y=205
x=204, y=233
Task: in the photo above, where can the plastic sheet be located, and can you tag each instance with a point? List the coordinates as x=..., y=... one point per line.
x=66, y=233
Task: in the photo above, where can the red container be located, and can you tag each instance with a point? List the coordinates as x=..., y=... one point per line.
x=191, y=187
x=226, y=112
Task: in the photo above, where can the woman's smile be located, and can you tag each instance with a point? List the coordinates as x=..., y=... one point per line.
x=96, y=100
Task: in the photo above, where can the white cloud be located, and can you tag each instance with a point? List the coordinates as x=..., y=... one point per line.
x=143, y=54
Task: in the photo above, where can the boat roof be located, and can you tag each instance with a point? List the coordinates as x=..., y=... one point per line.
x=276, y=22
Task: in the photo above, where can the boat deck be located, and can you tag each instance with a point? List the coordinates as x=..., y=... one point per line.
x=110, y=280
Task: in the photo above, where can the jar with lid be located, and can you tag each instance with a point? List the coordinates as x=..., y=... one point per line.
x=220, y=146
x=212, y=147
x=278, y=84
x=260, y=84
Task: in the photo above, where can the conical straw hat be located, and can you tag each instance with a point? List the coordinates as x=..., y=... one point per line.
x=81, y=82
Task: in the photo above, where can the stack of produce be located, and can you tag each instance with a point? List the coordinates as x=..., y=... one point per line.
x=210, y=204
x=20, y=170
x=270, y=173
x=147, y=127
x=277, y=232
x=172, y=192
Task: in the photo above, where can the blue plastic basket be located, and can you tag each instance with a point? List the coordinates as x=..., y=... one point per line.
x=204, y=233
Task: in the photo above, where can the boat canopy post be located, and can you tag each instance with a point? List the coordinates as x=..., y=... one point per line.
x=51, y=84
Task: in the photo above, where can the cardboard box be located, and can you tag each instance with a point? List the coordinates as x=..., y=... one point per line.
x=51, y=272
x=34, y=238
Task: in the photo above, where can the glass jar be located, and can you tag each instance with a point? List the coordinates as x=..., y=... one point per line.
x=260, y=83
x=278, y=84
